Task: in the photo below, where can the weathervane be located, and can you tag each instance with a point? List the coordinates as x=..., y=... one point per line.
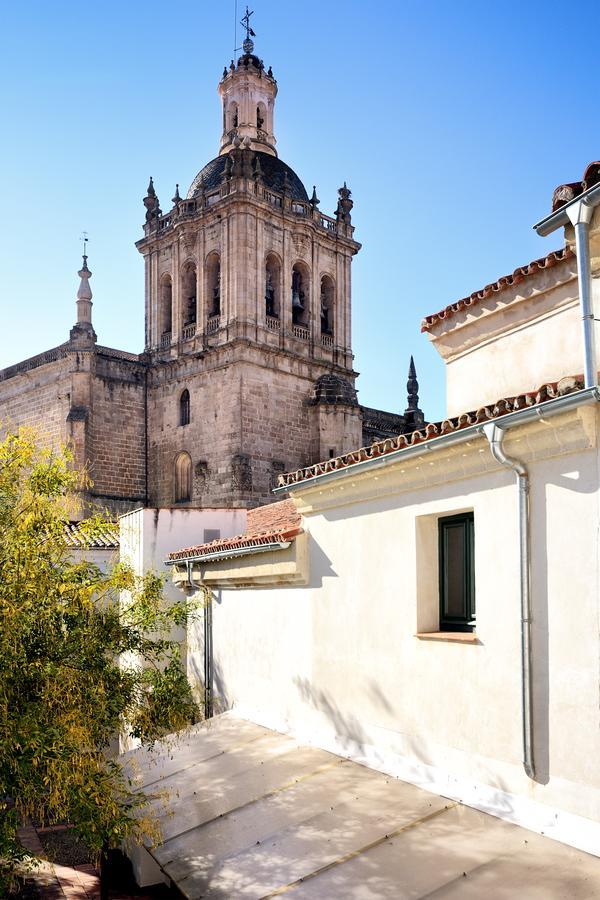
x=84, y=241
x=248, y=44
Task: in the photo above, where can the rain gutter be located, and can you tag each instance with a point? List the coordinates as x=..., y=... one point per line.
x=508, y=420
x=228, y=554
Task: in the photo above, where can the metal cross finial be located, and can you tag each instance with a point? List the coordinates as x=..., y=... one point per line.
x=84, y=240
x=246, y=24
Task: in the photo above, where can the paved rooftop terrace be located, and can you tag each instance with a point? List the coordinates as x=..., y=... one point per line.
x=254, y=814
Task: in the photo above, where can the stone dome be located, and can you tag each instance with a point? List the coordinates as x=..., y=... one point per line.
x=332, y=388
x=273, y=176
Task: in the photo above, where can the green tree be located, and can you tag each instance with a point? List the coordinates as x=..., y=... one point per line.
x=78, y=664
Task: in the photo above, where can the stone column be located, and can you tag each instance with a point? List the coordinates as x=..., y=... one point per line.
x=154, y=298
x=259, y=279
x=314, y=318
x=285, y=314
x=340, y=305
x=348, y=309
x=147, y=305
x=176, y=293
x=226, y=256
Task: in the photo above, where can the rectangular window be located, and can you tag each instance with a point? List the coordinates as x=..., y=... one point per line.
x=457, y=572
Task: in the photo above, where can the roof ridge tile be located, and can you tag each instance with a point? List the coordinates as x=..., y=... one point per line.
x=501, y=284
x=549, y=390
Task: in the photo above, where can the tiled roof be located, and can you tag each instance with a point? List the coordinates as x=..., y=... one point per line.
x=546, y=262
x=274, y=522
x=548, y=391
x=107, y=537
x=272, y=516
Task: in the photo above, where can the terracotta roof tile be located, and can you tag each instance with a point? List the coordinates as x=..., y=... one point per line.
x=546, y=262
x=107, y=538
x=272, y=516
x=547, y=391
x=274, y=522
x=564, y=193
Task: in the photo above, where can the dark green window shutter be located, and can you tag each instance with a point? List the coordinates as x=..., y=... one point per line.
x=457, y=572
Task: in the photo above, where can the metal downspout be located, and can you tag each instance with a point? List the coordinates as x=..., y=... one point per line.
x=580, y=215
x=189, y=587
x=495, y=435
x=208, y=657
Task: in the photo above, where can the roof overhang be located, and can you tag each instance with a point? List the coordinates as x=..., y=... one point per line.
x=281, y=562
x=431, y=445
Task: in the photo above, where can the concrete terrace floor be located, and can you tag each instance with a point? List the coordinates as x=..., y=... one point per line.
x=254, y=814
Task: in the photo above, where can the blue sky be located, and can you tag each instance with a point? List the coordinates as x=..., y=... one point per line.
x=452, y=122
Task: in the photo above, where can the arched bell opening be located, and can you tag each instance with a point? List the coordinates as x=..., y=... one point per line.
x=261, y=116
x=300, y=294
x=272, y=286
x=213, y=284
x=327, y=304
x=188, y=294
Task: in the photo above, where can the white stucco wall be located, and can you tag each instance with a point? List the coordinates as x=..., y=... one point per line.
x=147, y=536
x=515, y=340
x=104, y=558
x=517, y=361
x=338, y=663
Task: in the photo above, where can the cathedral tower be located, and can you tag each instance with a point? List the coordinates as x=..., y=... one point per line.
x=247, y=370
x=248, y=315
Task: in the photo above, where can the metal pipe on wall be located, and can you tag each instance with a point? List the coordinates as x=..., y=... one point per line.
x=495, y=435
x=584, y=274
x=579, y=213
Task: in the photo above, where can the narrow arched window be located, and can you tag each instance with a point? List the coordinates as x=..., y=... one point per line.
x=184, y=408
x=260, y=116
x=183, y=478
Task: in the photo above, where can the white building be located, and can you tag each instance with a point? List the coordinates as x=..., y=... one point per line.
x=429, y=605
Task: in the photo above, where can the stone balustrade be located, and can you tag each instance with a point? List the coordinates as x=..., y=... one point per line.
x=299, y=331
x=213, y=323
x=235, y=185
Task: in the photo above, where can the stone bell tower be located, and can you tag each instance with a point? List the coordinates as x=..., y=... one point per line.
x=248, y=96
x=248, y=308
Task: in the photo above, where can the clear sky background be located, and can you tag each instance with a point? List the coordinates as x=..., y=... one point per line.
x=451, y=120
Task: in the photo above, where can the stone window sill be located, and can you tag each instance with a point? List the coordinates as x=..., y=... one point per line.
x=460, y=637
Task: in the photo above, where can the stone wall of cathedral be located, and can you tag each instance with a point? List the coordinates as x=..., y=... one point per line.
x=37, y=396
x=117, y=433
x=251, y=417
x=208, y=438
x=95, y=403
